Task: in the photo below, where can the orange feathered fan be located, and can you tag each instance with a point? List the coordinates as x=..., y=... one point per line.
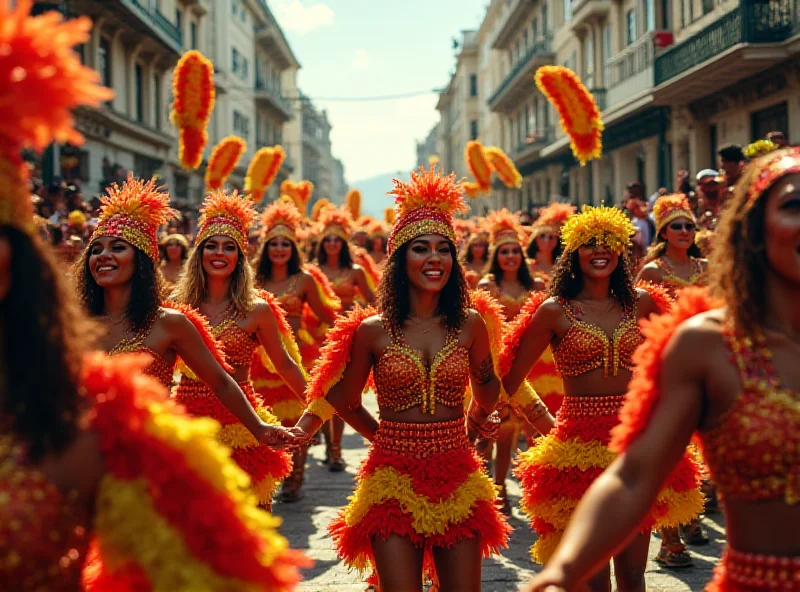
x=503, y=166
x=262, y=171
x=478, y=165
x=194, y=96
x=354, y=203
x=223, y=160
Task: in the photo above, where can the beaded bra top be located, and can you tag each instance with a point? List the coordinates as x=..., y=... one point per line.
x=754, y=452
x=237, y=344
x=586, y=347
x=158, y=368
x=43, y=534
x=674, y=283
x=290, y=300
x=345, y=288
x=402, y=380
x=512, y=306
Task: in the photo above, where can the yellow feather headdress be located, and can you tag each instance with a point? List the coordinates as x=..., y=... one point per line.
x=280, y=219
x=262, y=171
x=223, y=160
x=336, y=222
x=671, y=207
x=354, y=203
x=194, y=93
x=609, y=227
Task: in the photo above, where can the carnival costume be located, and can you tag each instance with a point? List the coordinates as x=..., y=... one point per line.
x=230, y=215
x=556, y=472
x=133, y=212
x=422, y=481
x=171, y=511
x=667, y=209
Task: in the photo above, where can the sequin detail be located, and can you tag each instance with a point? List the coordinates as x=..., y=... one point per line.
x=158, y=368
x=290, y=300
x=674, y=283
x=748, y=572
x=238, y=344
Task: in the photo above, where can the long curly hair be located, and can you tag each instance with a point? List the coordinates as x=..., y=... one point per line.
x=192, y=289
x=147, y=289
x=44, y=338
x=345, y=256
x=738, y=265
x=567, y=279
x=523, y=275
x=393, y=292
x=263, y=264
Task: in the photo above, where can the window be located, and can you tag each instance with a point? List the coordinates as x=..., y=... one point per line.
x=138, y=89
x=708, y=6
x=649, y=15
x=240, y=65
x=545, y=23
x=473, y=129
x=104, y=61
x=534, y=30
x=235, y=6
x=157, y=98
x=193, y=35
x=179, y=20
x=630, y=18
x=527, y=121
x=606, y=53
x=473, y=85
x=588, y=60
x=525, y=41
x=241, y=125
x=567, y=10
x=520, y=128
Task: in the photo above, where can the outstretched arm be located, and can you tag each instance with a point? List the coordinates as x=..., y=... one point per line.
x=484, y=381
x=311, y=292
x=269, y=336
x=535, y=339
x=360, y=277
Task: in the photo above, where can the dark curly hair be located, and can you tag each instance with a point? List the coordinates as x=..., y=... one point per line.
x=393, y=292
x=264, y=264
x=147, y=289
x=524, y=274
x=533, y=250
x=567, y=279
x=44, y=338
x=345, y=257
x=738, y=266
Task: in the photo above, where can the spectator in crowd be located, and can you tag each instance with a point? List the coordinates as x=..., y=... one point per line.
x=637, y=207
x=711, y=196
x=732, y=161
x=778, y=138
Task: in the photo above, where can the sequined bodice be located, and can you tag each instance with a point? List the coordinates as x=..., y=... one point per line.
x=237, y=344
x=512, y=306
x=754, y=452
x=43, y=536
x=345, y=287
x=586, y=347
x=403, y=381
x=674, y=283
x=159, y=368
x=290, y=300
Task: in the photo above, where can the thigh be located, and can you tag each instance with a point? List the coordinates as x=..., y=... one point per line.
x=459, y=567
x=601, y=581
x=631, y=563
x=398, y=564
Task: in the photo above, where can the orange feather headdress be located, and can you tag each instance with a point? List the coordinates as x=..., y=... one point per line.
x=336, y=222
x=353, y=201
x=505, y=168
x=504, y=228
x=227, y=214
x=223, y=160
x=552, y=218
x=479, y=168
x=194, y=95
x=280, y=219
x=671, y=207
x=41, y=81
x=299, y=192
x=426, y=205
x=134, y=212
x=262, y=171
x=319, y=206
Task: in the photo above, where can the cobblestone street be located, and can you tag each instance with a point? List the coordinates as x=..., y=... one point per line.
x=305, y=525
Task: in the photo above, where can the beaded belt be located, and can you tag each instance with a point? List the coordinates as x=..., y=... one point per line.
x=420, y=440
x=196, y=388
x=762, y=572
x=591, y=406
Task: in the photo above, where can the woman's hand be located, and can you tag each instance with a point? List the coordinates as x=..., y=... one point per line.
x=278, y=437
x=483, y=428
x=551, y=579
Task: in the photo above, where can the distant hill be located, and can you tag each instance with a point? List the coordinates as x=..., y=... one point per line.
x=373, y=192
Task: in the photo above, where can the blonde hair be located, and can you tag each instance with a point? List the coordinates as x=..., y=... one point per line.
x=191, y=287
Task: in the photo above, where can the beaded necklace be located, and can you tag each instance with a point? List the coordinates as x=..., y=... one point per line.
x=670, y=276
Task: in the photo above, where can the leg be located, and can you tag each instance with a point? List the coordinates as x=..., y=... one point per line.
x=601, y=581
x=459, y=567
x=337, y=429
x=325, y=430
x=506, y=445
x=673, y=553
x=398, y=564
x=630, y=564
x=291, y=491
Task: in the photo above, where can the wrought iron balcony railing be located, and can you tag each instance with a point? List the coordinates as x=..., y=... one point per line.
x=542, y=47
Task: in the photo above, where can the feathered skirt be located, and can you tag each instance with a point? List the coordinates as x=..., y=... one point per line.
x=556, y=472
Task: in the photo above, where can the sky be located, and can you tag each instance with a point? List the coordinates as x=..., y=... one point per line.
x=368, y=48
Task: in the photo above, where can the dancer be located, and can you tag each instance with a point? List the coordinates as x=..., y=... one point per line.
x=377, y=243
x=476, y=257
x=422, y=499
x=175, y=249
x=352, y=284
x=218, y=281
x=307, y=297
x=85, y=444
x=591, y=322
x=544, y=247
x=739, y=396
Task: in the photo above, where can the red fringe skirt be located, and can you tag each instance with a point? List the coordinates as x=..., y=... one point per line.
x=747, y=572
x=556, y=472
x=423, y=482
x=266, y=467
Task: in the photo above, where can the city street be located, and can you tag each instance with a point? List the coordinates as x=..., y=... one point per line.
x=305, y=525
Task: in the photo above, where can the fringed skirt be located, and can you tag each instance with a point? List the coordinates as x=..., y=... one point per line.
x=556, y=472
x=424, y=482
x=267, y=467
x=747, y=572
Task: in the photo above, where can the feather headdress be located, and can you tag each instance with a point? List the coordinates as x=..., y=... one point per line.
x=353, y=202
x=505, y=168
x=133, y=212
x=671, y=207
x=478, y=165
x=774, y=165
x=336, y=222
x=227, y=214
x=552, y=218
x=280, y=219
x=223, y=160
x=262, y=171
x=319, y=206
x=194, y=95
x=299, y=192
x=504, y=228
x=609, y=227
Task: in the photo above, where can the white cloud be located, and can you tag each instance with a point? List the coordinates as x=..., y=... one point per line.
x=361, y=60
x=294, y=15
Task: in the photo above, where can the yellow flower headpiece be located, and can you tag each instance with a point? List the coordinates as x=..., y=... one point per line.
x=671, y=207
x=280, y=219
x=504, y=228
x=759, y=148
x=76, y=218
x=426, y=205
x=227, y=214
x=609, y=227
x=133, y=212
x=336, y=222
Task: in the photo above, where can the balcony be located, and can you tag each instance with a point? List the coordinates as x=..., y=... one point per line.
x=515, y=17
x=530, y=146
x=629, y=74
x=157, y=24
x=585, y=12
x=519, y=84
x=269, y=96
x=743, y=42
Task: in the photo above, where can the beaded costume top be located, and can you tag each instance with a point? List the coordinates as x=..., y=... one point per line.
x=403, y=381
x=237, y=343
x=753, y=453
x=290, y=300
x=158, y=368
x=586, y=347
x=673, y=282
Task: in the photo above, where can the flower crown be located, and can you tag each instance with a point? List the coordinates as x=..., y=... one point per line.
x=227, y=214
x=759, y=148
x=425, y=206
x=775, y=165
x=336, y=222
x=609, y=227
x=503, y=228
x=133, y=212
x=280, y=219
x=670, y=207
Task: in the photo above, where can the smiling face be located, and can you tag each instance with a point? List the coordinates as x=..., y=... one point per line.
x=479, y=249
x=597, y=261
x=174, y=251
x=279, y=250
x=429, y=262
x=509, y=257
x=782, y=228
x=333, y=246
x=547, y=241
x=112, y=261
x=680, y=233
x=220, y=256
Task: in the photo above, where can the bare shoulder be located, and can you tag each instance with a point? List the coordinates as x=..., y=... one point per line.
x=172, y=320
x=652, y=273
x=550, y=309
x=701, y=333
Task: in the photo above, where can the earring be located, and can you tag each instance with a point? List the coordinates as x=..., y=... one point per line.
x=572, y=275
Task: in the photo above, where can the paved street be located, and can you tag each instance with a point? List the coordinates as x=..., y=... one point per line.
x=305, y=526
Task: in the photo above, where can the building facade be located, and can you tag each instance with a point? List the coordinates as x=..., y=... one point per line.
x=340, y=187
x=428, y=148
